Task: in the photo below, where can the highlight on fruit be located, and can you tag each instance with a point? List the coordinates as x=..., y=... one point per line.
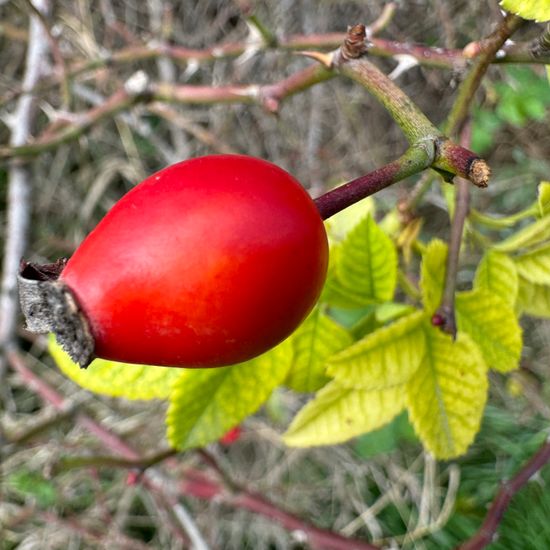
x=209, y=262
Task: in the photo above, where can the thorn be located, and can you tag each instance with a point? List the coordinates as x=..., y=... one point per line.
x=323, y=58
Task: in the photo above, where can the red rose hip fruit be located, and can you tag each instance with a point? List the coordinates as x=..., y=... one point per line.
x=209, y=262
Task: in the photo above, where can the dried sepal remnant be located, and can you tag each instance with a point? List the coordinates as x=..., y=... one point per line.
x=49, y=306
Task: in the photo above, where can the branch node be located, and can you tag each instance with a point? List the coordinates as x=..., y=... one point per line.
x=355, y=44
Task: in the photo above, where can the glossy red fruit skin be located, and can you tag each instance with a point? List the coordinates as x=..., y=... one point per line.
x=209, y=262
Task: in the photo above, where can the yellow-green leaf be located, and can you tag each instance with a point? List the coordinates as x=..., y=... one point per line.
x=492, y=324
x=206, y=403
x=535, y=265
x=337, y=414
x=533, y=299
x=314, y=342
x=365, y=267
x=432, y=276
x=447, y=395
x=497, y=273
x=531, y=235
x=386, y=357
x=539, y=10
x=543, y=198
x=117, y=379
x=339, y=225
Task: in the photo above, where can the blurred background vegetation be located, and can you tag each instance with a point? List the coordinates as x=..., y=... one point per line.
x=381, y=487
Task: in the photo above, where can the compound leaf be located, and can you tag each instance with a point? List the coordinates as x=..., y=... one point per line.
x=534, y=266
x=117, y=379
x=337, y=414
x=386, y=357
x=543, y=198
x=533, y=299
x=497, y=274
x=206, y=403
x=316, y=340
x=531, y=235
x=365, y=267
x=432, y=274
x=447, y=394
x=492, y=324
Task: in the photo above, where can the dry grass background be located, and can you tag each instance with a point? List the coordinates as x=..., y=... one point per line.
x=323, y=136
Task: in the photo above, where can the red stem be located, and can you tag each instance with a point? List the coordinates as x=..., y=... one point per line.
x=488, y=529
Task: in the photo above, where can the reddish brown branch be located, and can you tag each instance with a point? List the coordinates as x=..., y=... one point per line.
x=194, y=483
x=508, y=490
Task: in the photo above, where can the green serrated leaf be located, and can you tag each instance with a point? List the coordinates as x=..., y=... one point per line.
x=206, y=403
x=339, y=225
x=365, y=268
x=497, y=274
x=337, y=414
x=533, y=299
x=432, y=274
x=539, y=10
x=531, y=235
x=534, y=265
x=543, y=196
x=492, y=324
x=386, y=357
x=447, y=395
x=316, y=340
x=117, y=379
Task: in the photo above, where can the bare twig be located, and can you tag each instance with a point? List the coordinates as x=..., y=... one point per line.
x=19, y=184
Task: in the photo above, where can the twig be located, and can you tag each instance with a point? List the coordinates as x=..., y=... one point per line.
x=269, y=95
x=508, y=490
x=488, y=48
x=413, y=161
x=194, y=482
x=19, y=186
x=449, y=158
x=444, y=317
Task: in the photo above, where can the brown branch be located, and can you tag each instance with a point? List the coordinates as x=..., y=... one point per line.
x=487, y=531
x=194, y=483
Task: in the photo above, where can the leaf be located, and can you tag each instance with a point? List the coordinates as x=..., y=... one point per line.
x=117, y=379
x=534, y=266
x=432, y=274
x=533, y=299
x=497, y=273
x=206, y=403
x=447, y=395
x=339, y=225
x=543, y=197
x=531, y=235
x=492, y=324
x=337, y=414
x=386, y=357
x=539, y=10
x=365, y=267
x=318, y=338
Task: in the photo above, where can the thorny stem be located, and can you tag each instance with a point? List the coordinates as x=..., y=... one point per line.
x=450, y=158
x=415, y=159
